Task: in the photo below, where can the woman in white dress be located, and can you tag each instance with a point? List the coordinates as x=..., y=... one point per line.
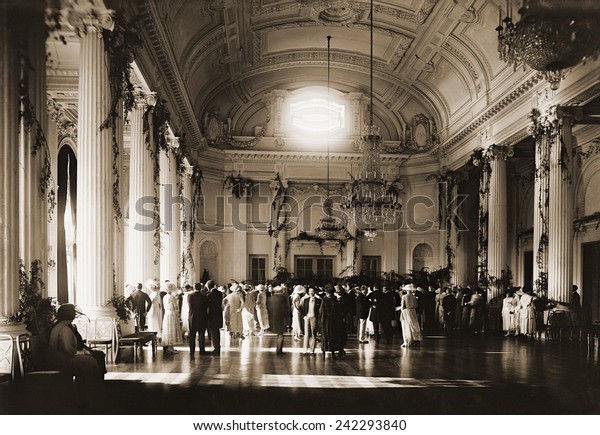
x=171, y=321
x=297, y=294
x=411, y=330
x=185, y=311
x=507, y=313
x=516, y=318
x=248, y=311
x=154, y=317
x=527, y=314
x=261, y=309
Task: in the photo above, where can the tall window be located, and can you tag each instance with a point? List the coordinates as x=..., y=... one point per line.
x=309, y=267
x=371, y=266
x=258, y=269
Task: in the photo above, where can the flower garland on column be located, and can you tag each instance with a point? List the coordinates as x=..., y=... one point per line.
x=279, y=198
x=156, y=137
x=30, y=122
x=481, y=159
x=540, y=127
x=197, y=201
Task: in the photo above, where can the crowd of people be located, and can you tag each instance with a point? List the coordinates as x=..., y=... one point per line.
x=327, y=315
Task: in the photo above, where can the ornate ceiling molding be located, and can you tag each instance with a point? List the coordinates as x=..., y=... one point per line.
x=199, y=47
x=495, y=109
x=297, y=156
x=463, y=59
x=168, y=66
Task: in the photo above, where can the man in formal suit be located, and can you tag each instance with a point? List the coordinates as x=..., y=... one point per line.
x=141, y=303
x=215, y=315
x=310, y=306
x=198, y=318
x=449, y=305
x=386, y=312
x=362, y=312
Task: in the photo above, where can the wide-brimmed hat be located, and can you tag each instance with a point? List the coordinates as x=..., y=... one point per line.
x=299, y=289
x=66, y=312
x=409, y=287
x=260, y=287
x=151, y=284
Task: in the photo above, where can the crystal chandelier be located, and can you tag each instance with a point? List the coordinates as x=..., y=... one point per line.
x=371, y=200
x=328, y=228
x=551, y=37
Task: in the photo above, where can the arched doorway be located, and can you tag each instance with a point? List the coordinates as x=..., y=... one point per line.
x=422, y=257
x=67, y=218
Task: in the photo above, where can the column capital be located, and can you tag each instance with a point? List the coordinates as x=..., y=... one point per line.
x=551, y=119
x=144, y=99
x=173, y=142
x=87, y=16
x=496, y=152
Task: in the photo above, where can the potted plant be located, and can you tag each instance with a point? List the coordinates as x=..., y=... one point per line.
x=124, y=314
x=37, y=312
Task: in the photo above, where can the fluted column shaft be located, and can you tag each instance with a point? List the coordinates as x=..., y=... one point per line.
x=459, y=261
x=239, y=221
x=142, y=251
x=9, y=167
x=95, y=215
x=560, y=210
x=540, y=215
x=497, y=222
x=188, y=265
x=170, y=217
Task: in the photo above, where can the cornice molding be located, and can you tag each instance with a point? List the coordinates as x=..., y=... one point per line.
x=168, y=66
x=488, y=114
x=297, y=156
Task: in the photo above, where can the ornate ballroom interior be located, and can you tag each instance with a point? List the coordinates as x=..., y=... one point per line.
x=234, y=140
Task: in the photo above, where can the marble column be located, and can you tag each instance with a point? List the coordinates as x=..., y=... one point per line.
x=119, y=243
x=497, y=219
x=188, y=266
x=9, y=166
x=540, y=214
x=239, y=213
x=482, y=224
x=95, y=214
x=141, y=265
x=459, y=261
x=560, y=210
x=170, y=215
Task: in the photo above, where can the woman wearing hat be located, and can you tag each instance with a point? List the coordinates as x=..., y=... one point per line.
x=65, y=355
x=296, y=306
x=171, y=321
x=333, y=329
x=261, y=308
x=154, y=317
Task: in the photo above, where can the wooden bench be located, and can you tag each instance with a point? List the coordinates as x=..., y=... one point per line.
x=136, y=341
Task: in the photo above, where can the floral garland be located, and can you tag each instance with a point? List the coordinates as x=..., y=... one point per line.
x=480, y=158
x=592, y=150
x=156, y=140
x=197, y=201
x=280, y=188
x=30, y=122
x=120, y=44
x=579, y=223
x=239, y=186
x=542, y=126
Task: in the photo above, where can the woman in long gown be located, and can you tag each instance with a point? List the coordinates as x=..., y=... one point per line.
x=234, y=303
x=507, y=313
x=527, y=314
x=333, y=329
x=262, y=311
x=296, y=305
x=185, y=311
x=171, y=321
x=516, y=318
x=154, y=318
x=411, y=330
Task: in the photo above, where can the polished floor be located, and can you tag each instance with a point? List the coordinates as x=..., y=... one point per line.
x=461, y=375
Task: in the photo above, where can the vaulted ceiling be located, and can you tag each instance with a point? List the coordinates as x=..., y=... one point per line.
x=432, y=57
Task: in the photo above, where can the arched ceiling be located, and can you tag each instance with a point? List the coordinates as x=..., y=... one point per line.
x=432, y=57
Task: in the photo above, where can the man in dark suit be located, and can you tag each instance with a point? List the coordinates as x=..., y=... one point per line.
x=141, y=303
x=198, y=318
x=215, y=315
x=362, y=313
x=449, y=305
x=309, y=310
x=386, y=312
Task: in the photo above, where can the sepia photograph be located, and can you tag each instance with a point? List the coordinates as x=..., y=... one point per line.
x=356, y=214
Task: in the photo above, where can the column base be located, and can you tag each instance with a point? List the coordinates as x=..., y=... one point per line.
x=12, y=329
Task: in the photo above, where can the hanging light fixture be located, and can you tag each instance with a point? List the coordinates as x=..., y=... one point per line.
x=328, y=228
x=371, y=199
x=551, y=37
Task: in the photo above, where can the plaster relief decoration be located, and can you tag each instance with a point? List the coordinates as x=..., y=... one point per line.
x=66, y=128
x=218, y=132
x=419, y=136
x=338, y=13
